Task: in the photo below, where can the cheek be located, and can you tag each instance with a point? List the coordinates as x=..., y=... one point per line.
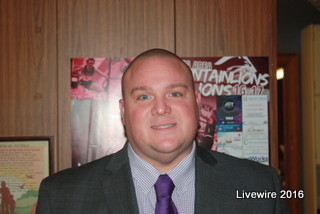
x=136, y=124
x=189, y=117
x=136, y=117
x=187, y=111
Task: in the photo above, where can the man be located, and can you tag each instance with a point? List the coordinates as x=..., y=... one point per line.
x=5, y=197
x=89, y=77
x=160, y=113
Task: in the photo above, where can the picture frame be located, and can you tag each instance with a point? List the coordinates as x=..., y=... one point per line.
x=24, y=163
x=46, y=141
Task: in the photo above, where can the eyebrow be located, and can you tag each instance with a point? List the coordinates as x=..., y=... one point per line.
x=140, y=88
x=170, y=86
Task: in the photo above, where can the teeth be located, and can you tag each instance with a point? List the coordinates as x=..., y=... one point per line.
x=163, y=127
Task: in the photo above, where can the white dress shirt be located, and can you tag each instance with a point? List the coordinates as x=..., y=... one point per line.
x=145, y=175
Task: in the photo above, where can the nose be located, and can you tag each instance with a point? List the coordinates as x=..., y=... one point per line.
x=160, y=107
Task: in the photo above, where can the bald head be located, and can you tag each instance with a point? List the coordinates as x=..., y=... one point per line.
x=153, y=54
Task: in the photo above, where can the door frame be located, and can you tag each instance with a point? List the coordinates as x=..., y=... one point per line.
x=291, y=129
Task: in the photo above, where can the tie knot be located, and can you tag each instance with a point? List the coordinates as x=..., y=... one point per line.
x=164, y=186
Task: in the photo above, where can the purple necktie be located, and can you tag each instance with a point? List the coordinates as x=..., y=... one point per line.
x=164, y=188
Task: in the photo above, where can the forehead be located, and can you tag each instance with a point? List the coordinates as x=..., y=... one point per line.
x=162, y=68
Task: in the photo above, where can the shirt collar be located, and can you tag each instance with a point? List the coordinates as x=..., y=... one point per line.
x=146, y=175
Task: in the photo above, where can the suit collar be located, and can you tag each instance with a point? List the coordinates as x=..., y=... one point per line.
x=118, y=160
x=205, y=156
x=208, y=184
x=118, y=185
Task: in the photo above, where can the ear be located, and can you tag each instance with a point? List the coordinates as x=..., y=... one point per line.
x=121, y=107
x=198, y=98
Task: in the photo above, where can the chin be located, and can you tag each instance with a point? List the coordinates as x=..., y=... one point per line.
x=167, y=147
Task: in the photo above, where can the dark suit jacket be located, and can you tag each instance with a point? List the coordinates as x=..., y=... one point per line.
x=106, y=186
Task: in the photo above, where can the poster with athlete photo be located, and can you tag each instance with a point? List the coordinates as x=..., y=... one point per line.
x=96, y=128
x=95, y=89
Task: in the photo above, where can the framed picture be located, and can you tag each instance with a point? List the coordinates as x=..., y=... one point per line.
x=24, y=162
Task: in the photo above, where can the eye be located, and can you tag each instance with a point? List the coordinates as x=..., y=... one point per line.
x=143, y=97
x=175, y=94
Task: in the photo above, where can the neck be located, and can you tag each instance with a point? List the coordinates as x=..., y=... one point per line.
x=165, y=162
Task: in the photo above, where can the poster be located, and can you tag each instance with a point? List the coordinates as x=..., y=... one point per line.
x=23, y=164
x=225, y=115
x=232, y=87
x=255, y=126
x=96, y=128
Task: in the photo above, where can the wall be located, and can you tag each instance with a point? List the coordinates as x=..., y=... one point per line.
x=28, y=68
x=292, y=17
x=38, y=39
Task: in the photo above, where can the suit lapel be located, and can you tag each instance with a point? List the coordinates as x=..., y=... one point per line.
x=118, y=186
x=208, y=184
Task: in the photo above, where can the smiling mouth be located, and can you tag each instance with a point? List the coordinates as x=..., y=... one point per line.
x=163, y=126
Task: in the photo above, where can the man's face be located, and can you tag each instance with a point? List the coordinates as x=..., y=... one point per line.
x=160, y=110
x=90, y=64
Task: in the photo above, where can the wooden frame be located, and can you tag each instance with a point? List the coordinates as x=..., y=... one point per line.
x=24, y=163
x=290, y=130
x=42, y=141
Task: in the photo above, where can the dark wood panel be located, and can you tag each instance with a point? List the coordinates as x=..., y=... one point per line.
x=291, y=163
x=28, y=91
x=105, y=28
x=231, y=28
x=216, y=27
